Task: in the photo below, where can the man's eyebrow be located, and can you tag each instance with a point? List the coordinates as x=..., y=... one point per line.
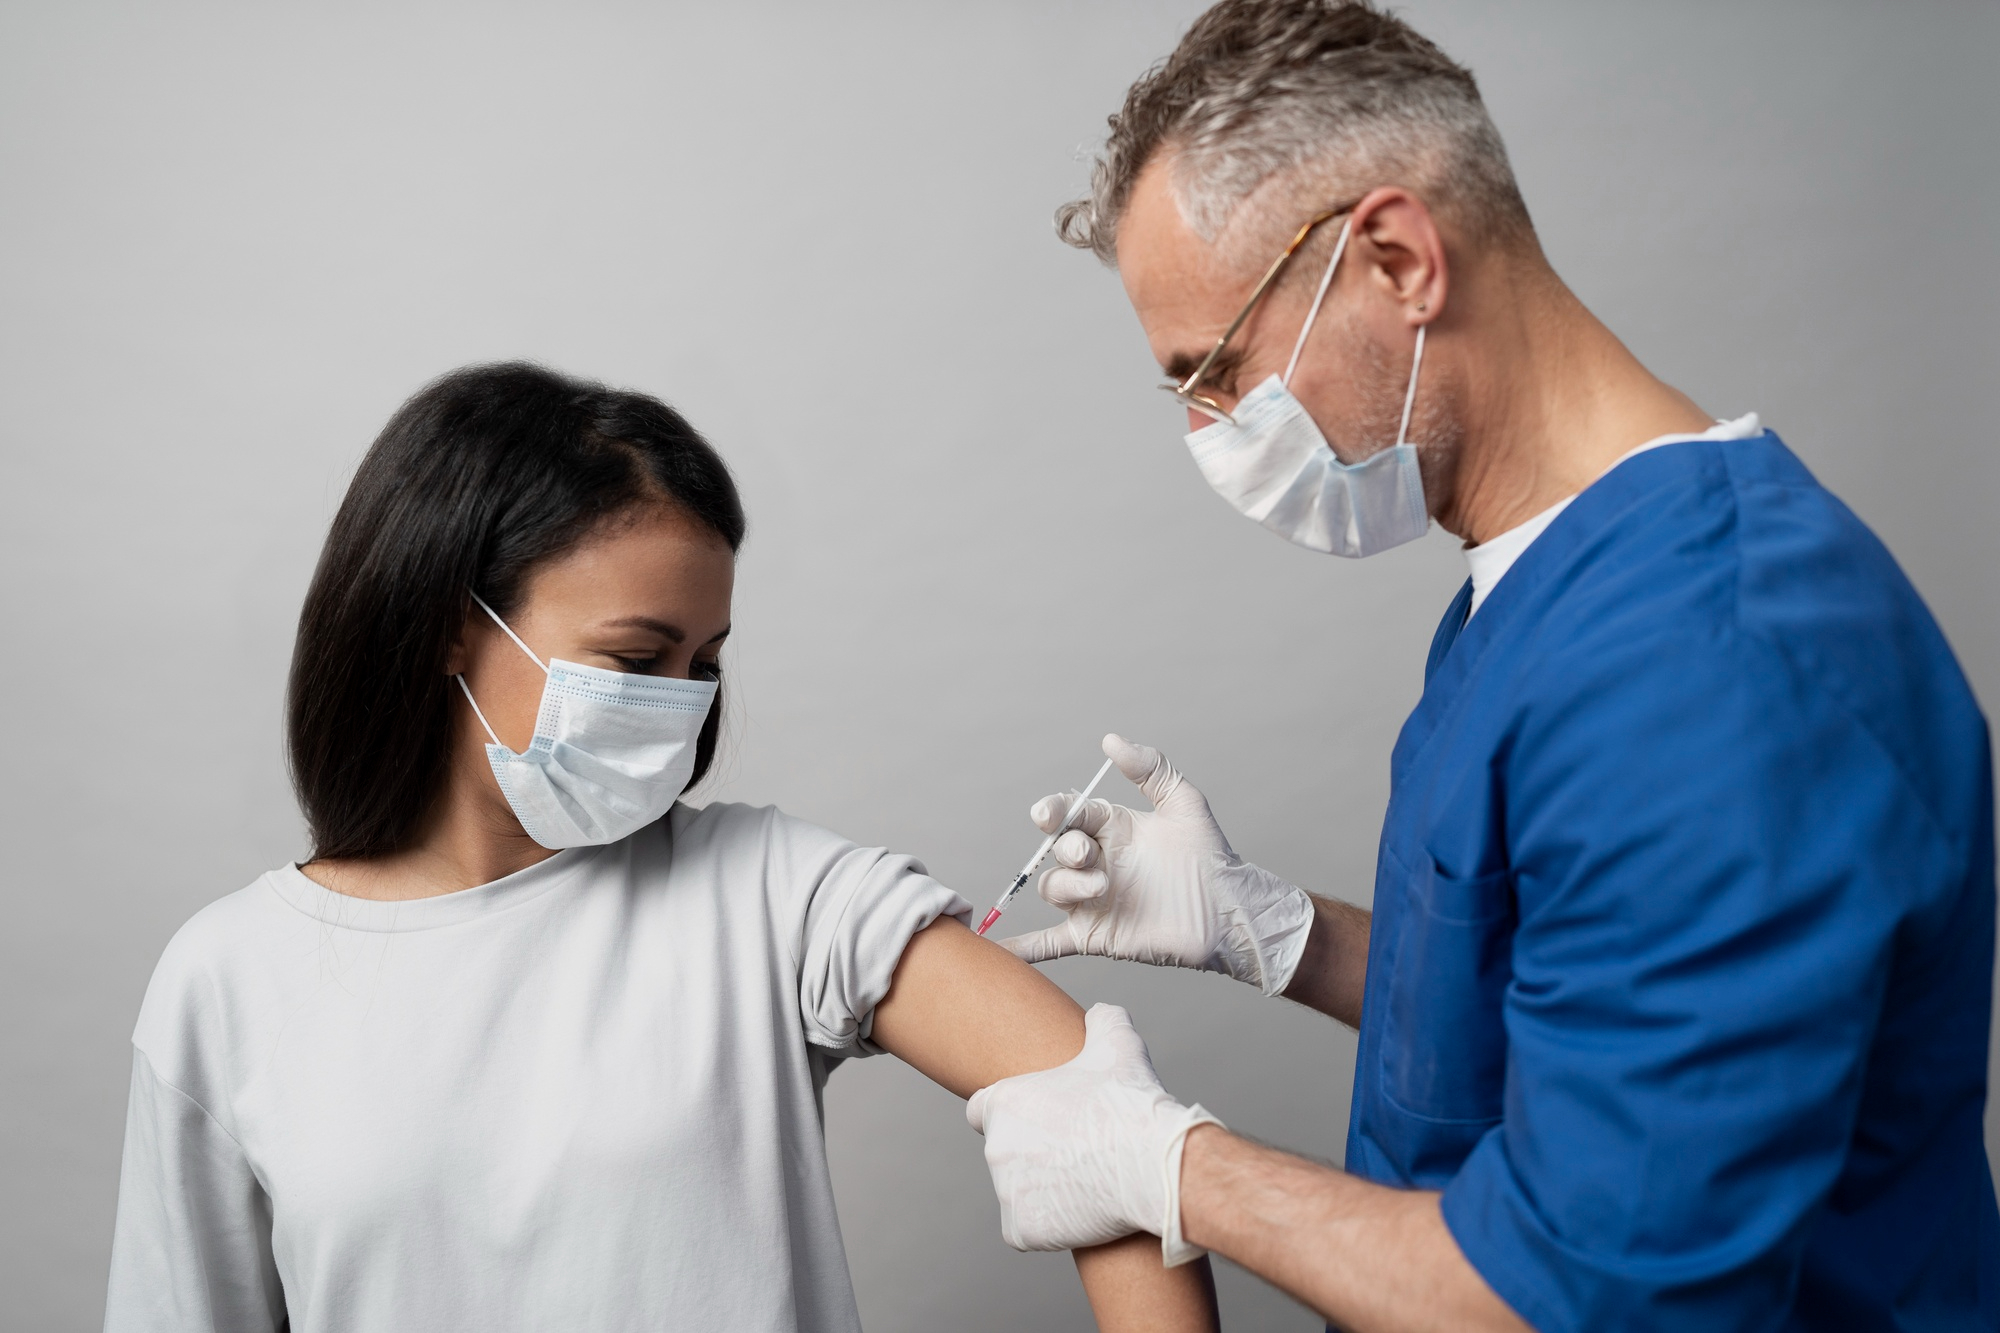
x=1183, y=364
x=671, y=633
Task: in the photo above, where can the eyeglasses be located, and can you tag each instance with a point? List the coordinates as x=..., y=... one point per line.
x=1184, y=390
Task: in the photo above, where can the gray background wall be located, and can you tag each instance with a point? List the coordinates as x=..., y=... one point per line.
x=232, y=238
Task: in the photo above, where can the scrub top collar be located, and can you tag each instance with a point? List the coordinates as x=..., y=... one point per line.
x=1454, y=656
x=1490, y=560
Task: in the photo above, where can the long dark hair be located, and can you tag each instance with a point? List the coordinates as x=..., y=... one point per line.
x=478, y=478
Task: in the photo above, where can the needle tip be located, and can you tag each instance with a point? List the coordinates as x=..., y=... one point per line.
x=987, y=924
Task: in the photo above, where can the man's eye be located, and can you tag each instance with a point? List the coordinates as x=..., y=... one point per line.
x=637, y=666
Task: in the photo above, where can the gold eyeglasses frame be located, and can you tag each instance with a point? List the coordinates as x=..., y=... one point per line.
x=1183, y=390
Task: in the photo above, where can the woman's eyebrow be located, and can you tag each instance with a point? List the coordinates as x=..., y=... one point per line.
x=670, y=632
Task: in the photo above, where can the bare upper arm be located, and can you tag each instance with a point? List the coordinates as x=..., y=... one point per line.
x=966, y=1013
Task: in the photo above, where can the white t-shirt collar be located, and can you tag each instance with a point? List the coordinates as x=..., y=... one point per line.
x=1490, y=560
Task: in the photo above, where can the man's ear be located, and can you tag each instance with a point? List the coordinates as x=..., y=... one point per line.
x=1402, y=252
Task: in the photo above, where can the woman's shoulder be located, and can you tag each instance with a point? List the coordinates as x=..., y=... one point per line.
x=197, y=985
x=795, y=859
x=731, y=829
x=227, y=931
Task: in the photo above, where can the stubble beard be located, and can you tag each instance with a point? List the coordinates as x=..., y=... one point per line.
x=1381, y=381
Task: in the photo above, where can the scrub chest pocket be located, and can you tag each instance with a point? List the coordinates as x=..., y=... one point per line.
x=1444, y=1043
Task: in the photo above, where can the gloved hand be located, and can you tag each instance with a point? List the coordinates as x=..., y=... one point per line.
x=1091, y=1150
x=1164, y=887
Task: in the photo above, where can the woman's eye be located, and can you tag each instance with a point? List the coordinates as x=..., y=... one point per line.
x=637, y=666
x=706, y=670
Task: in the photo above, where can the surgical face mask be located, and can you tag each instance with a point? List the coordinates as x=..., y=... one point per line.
x=1274, y=466
x=612, y=750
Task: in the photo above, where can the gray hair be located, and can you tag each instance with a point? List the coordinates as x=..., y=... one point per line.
x=1302, y=104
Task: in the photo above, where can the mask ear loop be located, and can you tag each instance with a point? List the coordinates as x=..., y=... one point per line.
x=1326, y=280
x=1410, y=396
x=510, y=632
x=475, y=710
x=467, y=689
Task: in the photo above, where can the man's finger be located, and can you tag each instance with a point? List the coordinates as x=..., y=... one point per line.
x=1071, y=889
x=1038, y=946
x=1048, y=813
x=1109, y=1039
x=975, y=1109
x=1109, y=1025
x=1144, y=766
x=1076, y=850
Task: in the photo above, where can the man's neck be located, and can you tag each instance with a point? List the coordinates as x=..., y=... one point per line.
x=1551, y=399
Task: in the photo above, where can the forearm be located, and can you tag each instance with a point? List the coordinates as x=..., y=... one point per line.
x=1334, y=967
x=1369, y=1258
x=967, y=1013
x=1130, y=1290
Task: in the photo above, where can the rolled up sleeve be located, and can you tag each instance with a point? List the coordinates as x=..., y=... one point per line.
x=861, y=907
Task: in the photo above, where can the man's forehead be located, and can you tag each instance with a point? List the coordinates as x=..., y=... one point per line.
x=1182, y=291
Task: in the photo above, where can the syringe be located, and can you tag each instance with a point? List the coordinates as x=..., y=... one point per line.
x=1069, y=822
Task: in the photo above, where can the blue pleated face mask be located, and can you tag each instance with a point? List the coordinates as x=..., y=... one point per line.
x=612, y=750
x=1273, y=464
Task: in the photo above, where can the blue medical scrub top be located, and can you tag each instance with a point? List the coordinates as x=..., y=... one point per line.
x=1682, y=957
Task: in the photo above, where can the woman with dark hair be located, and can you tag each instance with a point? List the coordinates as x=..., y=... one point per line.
x=527, y=1043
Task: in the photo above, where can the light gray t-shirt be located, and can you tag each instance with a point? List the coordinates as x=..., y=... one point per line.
x=585, y=1096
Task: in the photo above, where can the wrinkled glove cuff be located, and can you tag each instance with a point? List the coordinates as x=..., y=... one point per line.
x=1174, y=1248
x=1264, y=932
x=1288, y=924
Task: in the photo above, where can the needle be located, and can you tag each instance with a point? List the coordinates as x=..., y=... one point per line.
x=1069, y=822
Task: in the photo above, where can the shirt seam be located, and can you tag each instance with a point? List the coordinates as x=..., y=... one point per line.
x=1836, y=681
x=1449, y=1121
x=471, y=919
x=189, y=1098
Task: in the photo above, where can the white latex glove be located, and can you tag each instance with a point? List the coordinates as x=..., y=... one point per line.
x=1091, y=1150
x=1164, y=887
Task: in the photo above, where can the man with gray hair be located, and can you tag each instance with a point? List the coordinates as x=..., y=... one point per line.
x=1674, y=1000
